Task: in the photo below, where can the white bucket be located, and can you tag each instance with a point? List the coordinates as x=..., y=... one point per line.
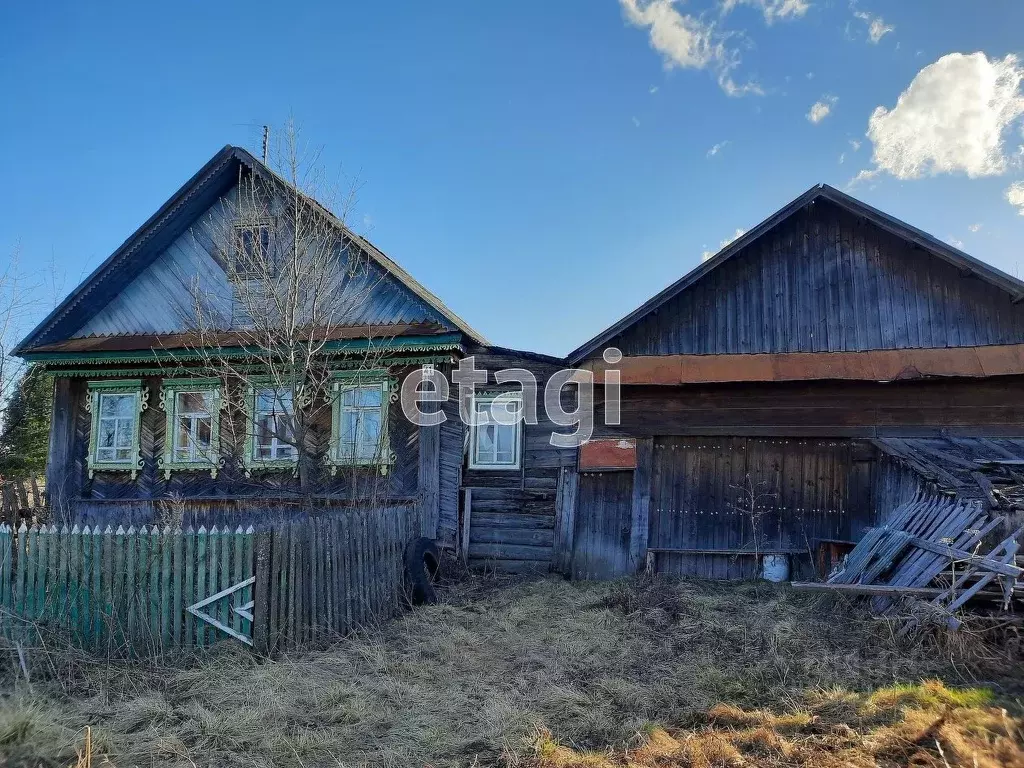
x=775, y=568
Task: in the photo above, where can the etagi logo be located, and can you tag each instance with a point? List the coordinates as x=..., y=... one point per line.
x=426, y=388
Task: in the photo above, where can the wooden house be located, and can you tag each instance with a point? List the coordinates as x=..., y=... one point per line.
x=142, y=429
x=769, y=399
x=762, y=393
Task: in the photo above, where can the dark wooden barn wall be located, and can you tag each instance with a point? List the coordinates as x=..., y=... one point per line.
x=830, y=409
x=825, y=281
x=111, y=488
x=703, y=488
x=512, y=513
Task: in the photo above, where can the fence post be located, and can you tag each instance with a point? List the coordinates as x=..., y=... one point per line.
x=263, y=610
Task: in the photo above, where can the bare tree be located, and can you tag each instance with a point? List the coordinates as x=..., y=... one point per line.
x=297, y=280
x=19, y=303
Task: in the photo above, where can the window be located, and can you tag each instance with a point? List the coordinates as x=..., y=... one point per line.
x=114, y=437
x=273, y=416
x=496, y=431
x=360, y=415
x=192, y=438
x=252, y=250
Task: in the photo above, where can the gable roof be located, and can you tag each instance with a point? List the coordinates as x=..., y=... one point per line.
x=966, y=263
x=174, y=217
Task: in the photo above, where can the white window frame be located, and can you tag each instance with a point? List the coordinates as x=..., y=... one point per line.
x=275, y=461
x=198, y=459
x=517, y=447
x=346, y=381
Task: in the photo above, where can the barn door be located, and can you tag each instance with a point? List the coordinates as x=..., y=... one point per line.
x=602, y=527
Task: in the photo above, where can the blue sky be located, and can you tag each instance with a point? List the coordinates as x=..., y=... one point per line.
x=542, y=166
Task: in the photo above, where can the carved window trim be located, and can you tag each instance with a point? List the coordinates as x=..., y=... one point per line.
x=169, y=392
x=96, y=392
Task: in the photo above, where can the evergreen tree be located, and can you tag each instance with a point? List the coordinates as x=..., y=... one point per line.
x=24, y=440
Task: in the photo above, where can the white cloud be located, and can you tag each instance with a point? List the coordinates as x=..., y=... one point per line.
x=820, y=110
x=652, y=90
x=772, y=9
x=975, y=227
x=877, y=28
x=688, y=42
x=1015, y=196
x=855, y=145
x=951, y=119
x=842, y=158
x=736, y=236
x=636, y=122
x=718, y=148
x=955, y=242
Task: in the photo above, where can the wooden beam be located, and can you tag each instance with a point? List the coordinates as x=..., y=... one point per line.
x=872, y=365
x=61, y=482
x=967, y=557
x=429, y=480
x=640, y=527
x=467, y=508
x=565, y=519
x=879, y=589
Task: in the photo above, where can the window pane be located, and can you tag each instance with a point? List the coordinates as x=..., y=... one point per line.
x=265, y=430
x=283, y=422
x=122, y=454
x=193, y=402
x=182, y=435
x=105, y=454
x=369, y=437
x=125, y=433
x=117, y=405
x=106, y=436
x=485, y=443
x=204, y=431
x=349, y=426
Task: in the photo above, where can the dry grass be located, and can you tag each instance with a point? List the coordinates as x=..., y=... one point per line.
x=732, y=671
x=925, y=725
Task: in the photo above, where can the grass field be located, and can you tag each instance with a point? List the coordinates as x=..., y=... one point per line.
x=545, y=673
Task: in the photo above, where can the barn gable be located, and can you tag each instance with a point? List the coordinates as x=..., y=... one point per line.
x=825, y=274
x=148, y=287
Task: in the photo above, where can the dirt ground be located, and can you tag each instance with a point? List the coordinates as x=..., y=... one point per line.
x=544, y=673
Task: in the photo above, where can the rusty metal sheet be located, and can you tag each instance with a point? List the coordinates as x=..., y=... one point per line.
x=874, y=365
x=608, y=454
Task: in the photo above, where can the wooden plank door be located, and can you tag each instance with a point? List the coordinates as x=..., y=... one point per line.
x=603, y=521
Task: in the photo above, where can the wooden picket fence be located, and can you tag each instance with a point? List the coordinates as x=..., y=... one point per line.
x=153, y=590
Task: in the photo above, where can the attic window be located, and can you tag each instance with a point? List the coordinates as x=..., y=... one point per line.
x=252, y=251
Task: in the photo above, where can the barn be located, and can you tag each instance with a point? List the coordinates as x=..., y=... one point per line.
x=773, y=400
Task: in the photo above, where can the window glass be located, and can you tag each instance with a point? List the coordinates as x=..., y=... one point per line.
x=193, y=426
x=496, y=445
x=360, y=429
x=116, y=427
x=273, y=422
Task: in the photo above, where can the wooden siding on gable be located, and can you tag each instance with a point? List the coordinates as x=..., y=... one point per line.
x=826, y=281
x=161, y=299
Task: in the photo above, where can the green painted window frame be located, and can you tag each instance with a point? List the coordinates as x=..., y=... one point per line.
x=342, y=381
x=169, y=391
x=96, y=391
x=249, y=459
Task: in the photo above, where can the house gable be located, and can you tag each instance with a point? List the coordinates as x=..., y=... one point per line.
x=825, y=274
x=149, y=286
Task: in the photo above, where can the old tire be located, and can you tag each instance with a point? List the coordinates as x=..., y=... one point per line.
x=422, y=566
